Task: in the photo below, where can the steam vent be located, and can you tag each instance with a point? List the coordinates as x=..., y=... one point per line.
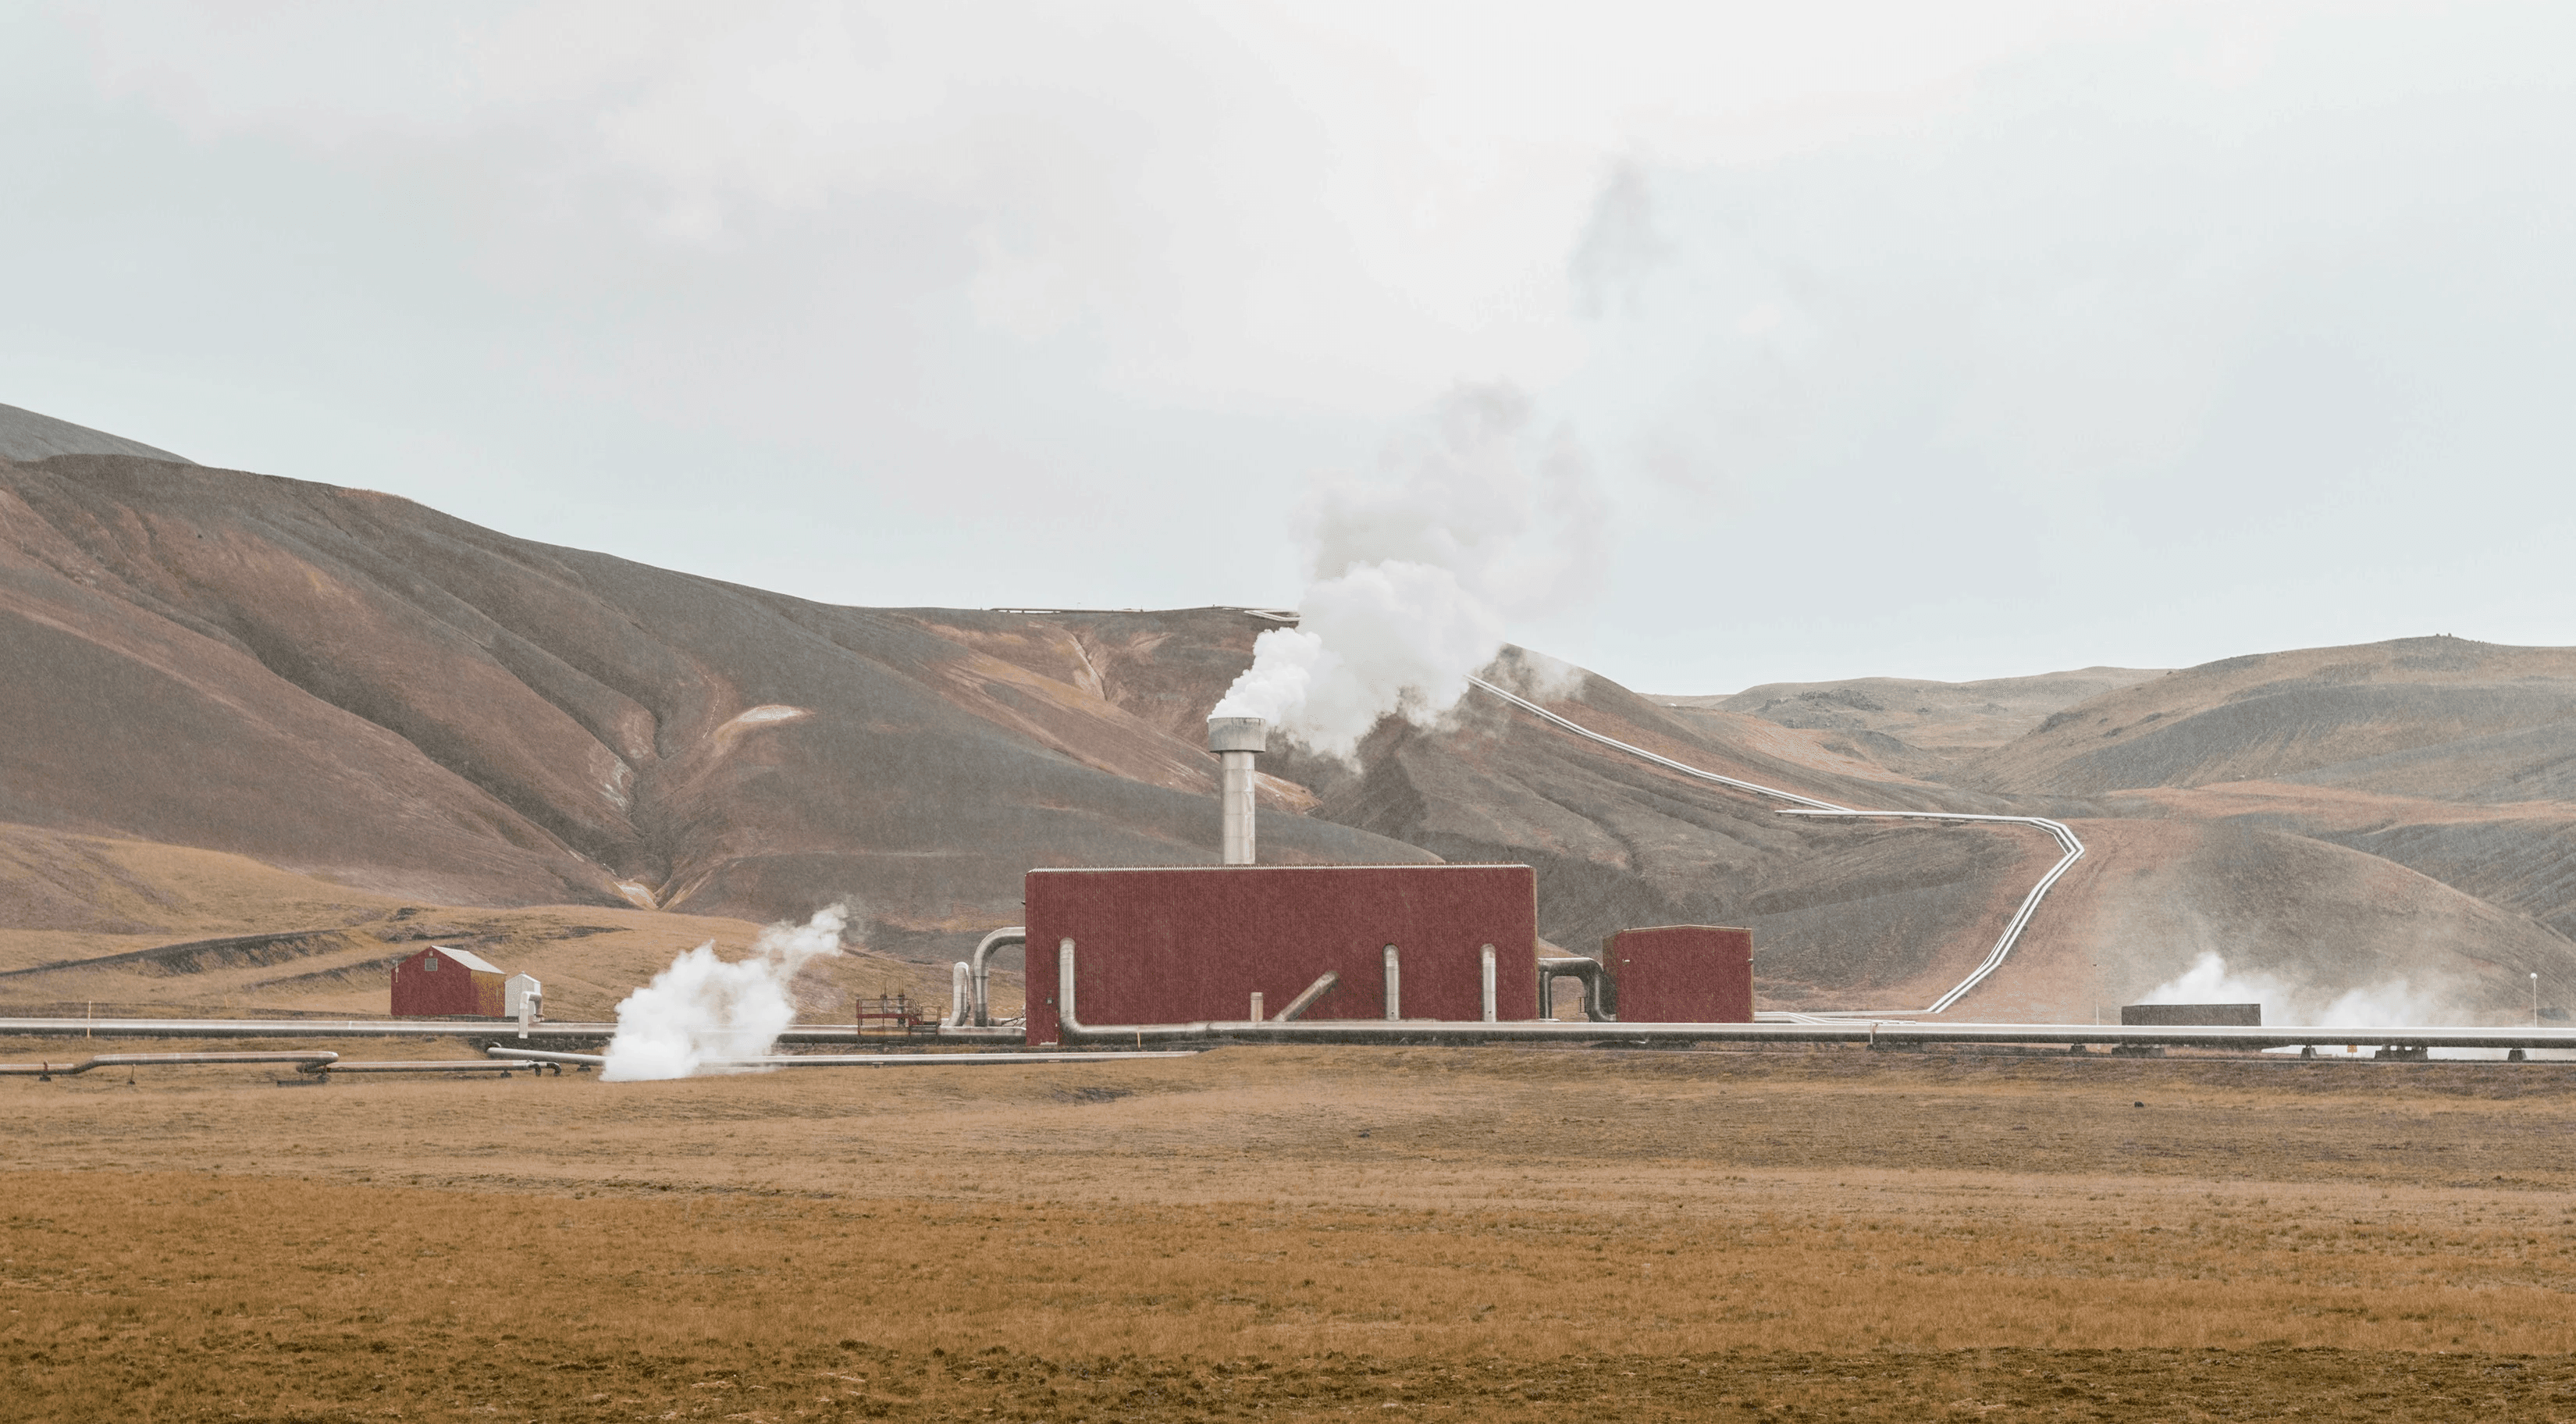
x=1236, y=741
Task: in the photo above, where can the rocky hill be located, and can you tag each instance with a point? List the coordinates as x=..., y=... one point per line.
x=354, y=691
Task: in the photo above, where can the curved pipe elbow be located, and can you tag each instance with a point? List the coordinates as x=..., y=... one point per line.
x=1600, y=991
x=980, y=969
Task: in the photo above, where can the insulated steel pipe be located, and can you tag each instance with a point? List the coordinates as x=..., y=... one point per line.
x=1810, y=806
x=49, y=1071
x=548, y=1032
x=1596, y=985
x=982, y=966
x=1868, y=1033
x=2029, y=906
x=1236, y=741
x=406, y=1065
x=1394, y=986
x=861, y=1060
x=1305, y=1000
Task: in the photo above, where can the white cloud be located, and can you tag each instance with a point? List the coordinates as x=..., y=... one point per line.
x=997, y=288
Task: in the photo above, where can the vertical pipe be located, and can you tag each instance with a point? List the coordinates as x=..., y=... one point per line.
x=1236, y=741
x=1256, y=1006
x=1064, y=983
x=1394, y=987
x=1489, y=983
x=1237, y=798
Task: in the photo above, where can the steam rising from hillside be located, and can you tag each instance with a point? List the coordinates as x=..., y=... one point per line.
x=1412, y=582
x=2392, y=1003
x=703, y=1012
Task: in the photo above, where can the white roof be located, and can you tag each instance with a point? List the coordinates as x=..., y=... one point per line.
x=468, y=958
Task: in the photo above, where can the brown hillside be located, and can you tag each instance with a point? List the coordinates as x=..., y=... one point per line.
x=351, y=685
x=2440, y=717
x=126, y=927
x=366, y=707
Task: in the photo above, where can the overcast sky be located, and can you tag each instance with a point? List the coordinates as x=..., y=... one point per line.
x=1953, y=341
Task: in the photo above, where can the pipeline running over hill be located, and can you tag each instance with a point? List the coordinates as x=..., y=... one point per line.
x=1810, y=806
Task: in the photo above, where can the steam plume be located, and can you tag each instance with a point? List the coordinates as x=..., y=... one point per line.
x=1412, y=582
x=703, y=1013
x=2390, y=1003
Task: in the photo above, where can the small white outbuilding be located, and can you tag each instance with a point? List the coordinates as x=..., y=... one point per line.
x=522, y=997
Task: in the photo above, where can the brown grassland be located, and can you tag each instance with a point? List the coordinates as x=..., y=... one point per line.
x=1282, y=1234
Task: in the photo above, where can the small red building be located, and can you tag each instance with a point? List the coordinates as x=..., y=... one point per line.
x=1682, y=974
x=443, y=983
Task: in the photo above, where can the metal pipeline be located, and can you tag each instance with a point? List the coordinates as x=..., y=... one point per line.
x=47, y=1072
x=982, y=969
x=1394, y=986
x=1853, y=1031
x=1598, y=1002
x=860, y=1060
x=2021, y=916
x=1810, y=806
x=422, y=1065
x=554, y=1031
x=961, y=993
x=1298, y=1006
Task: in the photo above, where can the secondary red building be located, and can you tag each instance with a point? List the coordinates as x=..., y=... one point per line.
x=443, y=983
x=1182, y=944
x=1682, y=974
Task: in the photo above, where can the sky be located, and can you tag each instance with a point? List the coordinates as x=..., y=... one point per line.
x=1952, y=341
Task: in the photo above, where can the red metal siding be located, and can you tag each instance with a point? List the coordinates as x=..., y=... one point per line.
x=449, y=991
x=1682, y=974
x=1189, y=943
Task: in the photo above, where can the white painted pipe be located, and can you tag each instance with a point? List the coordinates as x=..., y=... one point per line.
x=1489, y=983
x=1870, y=1033
x=1394, y=987
x=1810, y=806
x=1323, y=985
x=985, y=949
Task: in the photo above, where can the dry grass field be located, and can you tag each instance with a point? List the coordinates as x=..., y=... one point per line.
x=1283, y=1234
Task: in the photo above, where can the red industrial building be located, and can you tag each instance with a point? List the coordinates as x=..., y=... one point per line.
x=1681, y=974
x=442, y=983
x=1182, y=944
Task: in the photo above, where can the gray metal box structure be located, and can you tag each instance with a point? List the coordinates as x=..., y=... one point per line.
x=2191, y=1015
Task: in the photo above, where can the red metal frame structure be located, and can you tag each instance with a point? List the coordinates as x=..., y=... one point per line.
x=1194, y=943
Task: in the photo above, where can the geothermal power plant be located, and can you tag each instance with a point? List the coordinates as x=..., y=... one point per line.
x=1177, y=959
x=1181, y=952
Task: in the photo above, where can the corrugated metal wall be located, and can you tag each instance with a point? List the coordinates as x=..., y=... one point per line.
x=1188, y=943
x=1682, y=974
x=449, y=991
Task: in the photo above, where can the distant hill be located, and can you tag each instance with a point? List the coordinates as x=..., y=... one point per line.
x=1916, y=726
x=2441, y=717
x=354, y=691
x=25, y=435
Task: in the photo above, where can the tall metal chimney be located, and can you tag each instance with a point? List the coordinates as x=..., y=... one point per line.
x=1236, y=741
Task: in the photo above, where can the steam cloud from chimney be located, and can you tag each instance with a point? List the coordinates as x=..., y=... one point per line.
x=1413, y=581
x=703, y=1013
